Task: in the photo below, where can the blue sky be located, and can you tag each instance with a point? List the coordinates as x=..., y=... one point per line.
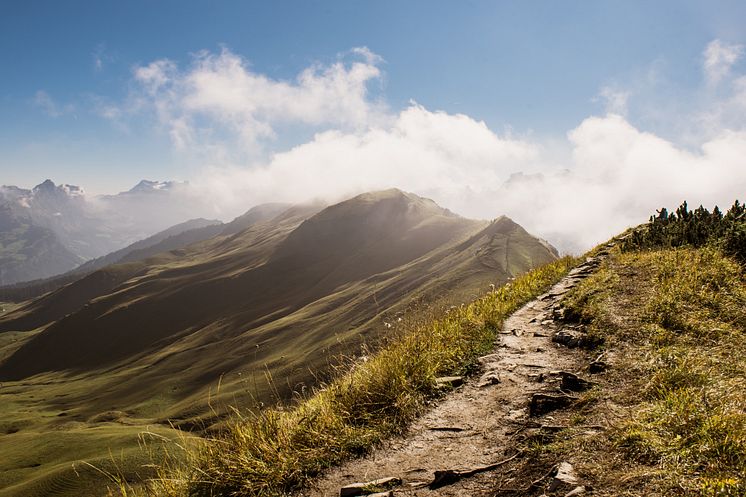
x=619, y=106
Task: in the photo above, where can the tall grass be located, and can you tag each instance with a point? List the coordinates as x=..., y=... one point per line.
x=278, y=450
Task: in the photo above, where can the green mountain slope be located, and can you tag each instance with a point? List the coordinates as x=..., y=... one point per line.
x=176, y=237
x=149, y=339
x=662, y=411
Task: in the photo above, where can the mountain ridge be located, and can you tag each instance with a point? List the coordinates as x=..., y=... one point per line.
x=145, y=343
x=381, y=231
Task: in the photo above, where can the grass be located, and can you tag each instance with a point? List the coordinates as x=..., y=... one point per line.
x=674, y=326
x=50, y=463
x=277, y=451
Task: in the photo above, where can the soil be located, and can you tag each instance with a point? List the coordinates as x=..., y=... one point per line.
x=476, y=425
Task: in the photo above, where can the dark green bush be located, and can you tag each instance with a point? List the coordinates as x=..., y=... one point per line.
x=693, y=228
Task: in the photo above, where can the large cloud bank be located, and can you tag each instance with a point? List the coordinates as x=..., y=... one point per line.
x=607, y=175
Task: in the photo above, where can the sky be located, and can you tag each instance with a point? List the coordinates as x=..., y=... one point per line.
x=560, y=114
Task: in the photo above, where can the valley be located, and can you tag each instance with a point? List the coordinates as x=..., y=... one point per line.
x=246, y=318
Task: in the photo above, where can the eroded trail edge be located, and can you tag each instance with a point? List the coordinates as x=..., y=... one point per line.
x=456, y=448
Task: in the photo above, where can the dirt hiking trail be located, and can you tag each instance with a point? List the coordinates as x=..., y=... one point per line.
x=470, y=433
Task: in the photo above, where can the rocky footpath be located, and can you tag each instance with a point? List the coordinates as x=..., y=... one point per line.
x=539, y=366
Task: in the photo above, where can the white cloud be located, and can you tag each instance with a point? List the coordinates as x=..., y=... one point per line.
x=606, y=175
x=617, y=176
x=719, y=58
x=423, y=151
x=155, y=75
x=219, y=98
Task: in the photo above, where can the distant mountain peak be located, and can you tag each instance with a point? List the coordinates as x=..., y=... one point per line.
x=409, y=200
x=149, y=186
x=47, y=185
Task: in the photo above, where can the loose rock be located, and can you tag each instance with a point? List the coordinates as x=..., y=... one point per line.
x=568, y=338
x=537, y=377
x=542, y=403
x=558, y=314
x=598, y=367
x=573, y=382
x=565, y=476
x=575, y=491
x=489, y=379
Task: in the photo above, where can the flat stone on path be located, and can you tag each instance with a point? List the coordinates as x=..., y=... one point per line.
x=372, y=487
x=568, y=338
x=565, y=476
x=449, y=381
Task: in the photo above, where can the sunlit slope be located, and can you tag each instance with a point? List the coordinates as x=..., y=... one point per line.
x=191, y=231
x=68, y=293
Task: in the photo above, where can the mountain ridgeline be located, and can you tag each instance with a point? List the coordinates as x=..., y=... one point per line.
x=173, y=238
x=283, y=292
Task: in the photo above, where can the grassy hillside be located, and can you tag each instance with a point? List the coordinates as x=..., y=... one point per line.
x=670, y=312
x=181, y=337
x=176, y=237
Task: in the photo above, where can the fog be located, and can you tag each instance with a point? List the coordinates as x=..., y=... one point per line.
x=595, y=180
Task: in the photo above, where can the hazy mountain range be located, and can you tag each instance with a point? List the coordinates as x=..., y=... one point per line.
x=51, y=229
